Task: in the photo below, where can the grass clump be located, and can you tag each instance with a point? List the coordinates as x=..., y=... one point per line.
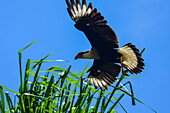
x=58, y=90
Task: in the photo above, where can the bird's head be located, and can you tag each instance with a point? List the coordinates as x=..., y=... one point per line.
x=81, y=55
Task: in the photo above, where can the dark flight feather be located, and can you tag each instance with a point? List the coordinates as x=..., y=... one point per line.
x=104, y=71
x=94, y=26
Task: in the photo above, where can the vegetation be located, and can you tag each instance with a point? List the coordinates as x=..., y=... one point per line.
x=58, y=90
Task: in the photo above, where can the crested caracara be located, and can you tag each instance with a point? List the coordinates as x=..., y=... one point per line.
x=105, y=46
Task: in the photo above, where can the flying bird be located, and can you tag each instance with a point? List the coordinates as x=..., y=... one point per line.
x=109, y=59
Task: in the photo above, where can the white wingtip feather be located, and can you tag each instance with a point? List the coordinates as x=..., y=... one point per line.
x=103, y=82
x=100, y=84
x=79, y=9
x=83, y=10
x=73, y=13
x=75, y=10
x=91, y=81
x=89, y=10
x=95, y=82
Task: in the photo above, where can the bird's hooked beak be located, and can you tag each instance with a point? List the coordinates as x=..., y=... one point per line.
x=78, y=56
x=75, y=57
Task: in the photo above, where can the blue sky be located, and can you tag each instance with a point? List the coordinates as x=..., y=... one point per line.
x=145, y=23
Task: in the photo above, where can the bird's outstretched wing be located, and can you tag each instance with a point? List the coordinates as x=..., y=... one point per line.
x=92, y=23
x=103, y=74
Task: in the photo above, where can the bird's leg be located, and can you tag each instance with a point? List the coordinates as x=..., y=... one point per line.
x=121, y=61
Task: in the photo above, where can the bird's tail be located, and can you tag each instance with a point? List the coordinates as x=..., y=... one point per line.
x=132, y=59
x=76, y=10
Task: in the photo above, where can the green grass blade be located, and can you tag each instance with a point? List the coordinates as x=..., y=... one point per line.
x=26, y=90
x=98, y=102
x=61, y=100
x=81, y=89
x=64, y=76
x=111, y=95
x=37, y=96
x=29, y=104
x=10, y=90
x=2, y=102
x=2, y=110
x=86, y=86
x=40, y=62
x=67, y=102
x=73, y=98
x=133, y=100
x=142, y=50
x=20, y=67
x=21, y=104
x=50, y=61
x=20, y=61
x=9, y=102
x=136, y=99
x=26, y=77
x=89, y=100
x=61, y=93
x=123, y=107
x=50, y=108
x=14, y=100
x=66, y=107
x=66, y=72
x=132, y=76
x=49, y=87
x=35, y=78
x=27, y=46
x=78, y=109
x=112, y=107
x=81, y=86
x=84, y=97
x=67, y=93
x=103, y=102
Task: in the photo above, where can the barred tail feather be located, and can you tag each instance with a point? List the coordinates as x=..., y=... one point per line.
x=132, y=59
